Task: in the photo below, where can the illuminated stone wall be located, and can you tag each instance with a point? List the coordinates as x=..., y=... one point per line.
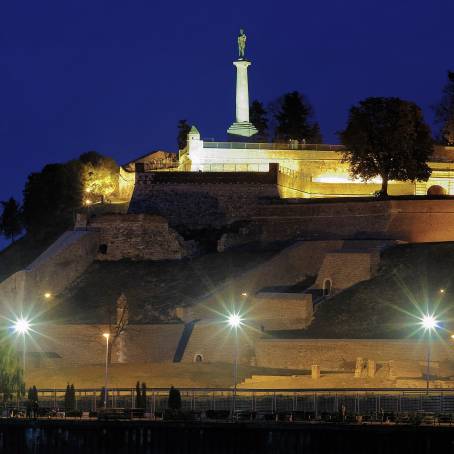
x=341, y=354
x=138, y=237
x=407, y=220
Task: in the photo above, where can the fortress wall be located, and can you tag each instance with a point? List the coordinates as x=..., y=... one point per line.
x=137, y=237
x=280, y=311
x=201, y=199
x=63, y=262
x=77, y=345
x=215, y=341
x=346, y=268
x=341, y=354
x=407, y=220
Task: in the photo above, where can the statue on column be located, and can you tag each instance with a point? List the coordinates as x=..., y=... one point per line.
x=241, y=44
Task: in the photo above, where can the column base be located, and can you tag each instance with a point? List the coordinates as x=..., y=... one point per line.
x=244, y=129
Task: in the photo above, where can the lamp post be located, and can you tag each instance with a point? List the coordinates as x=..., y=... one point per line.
x=234, y=321
x=22, y=326
x=429, y=323
x=106, y=335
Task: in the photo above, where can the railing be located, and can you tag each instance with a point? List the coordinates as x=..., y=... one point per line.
x=317, y=401
x=274, y=146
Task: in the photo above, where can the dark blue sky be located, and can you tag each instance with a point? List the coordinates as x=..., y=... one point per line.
x=116, y=76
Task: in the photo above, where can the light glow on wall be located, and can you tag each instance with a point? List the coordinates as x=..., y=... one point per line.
x=345, y=180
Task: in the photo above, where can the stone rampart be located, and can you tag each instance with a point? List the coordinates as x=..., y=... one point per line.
x=53, y=270
x=280, y=311
x=341, y=354
x=407, y=220
x=346, y=268
x=77, y=345
x=198, y=199
x=138, y=237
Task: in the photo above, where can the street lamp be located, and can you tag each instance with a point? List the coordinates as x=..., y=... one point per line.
x=429, y=324
x=234, y=320
x=107, y=336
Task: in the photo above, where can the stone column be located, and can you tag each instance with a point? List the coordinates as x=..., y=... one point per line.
x=242, y=91
x=242, y=126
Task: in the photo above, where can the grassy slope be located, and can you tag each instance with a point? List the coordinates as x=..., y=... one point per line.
x=151, y=288
x=409, y=277
x=21, y=253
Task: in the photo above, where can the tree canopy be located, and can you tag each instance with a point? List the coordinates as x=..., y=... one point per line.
x=11, y=373
x=258, y=117
x=11, y=219
x=295, y=119
x=387, y=138
x=444, y=112
x=183, y=130
x=99, y=176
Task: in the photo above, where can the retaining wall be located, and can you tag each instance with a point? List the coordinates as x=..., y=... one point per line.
x=341, y=354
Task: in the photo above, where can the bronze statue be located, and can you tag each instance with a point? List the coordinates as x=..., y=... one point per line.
x=241, y=44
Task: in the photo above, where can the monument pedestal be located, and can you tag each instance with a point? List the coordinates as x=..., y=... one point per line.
x=242, y=126
x=245, y=129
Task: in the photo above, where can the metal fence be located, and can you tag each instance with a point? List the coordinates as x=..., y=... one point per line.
x=355, y=401
x=274, y=146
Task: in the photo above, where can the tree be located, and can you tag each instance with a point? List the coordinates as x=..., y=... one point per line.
x=258, y=117
x=70, y=398
x=99, y=175
x=11, y=219
x=144, y=396
x=174, y=401
x=183, y=130
x=295, y=119
x=444, y=112
x=138, y=396
x=51, y=196
x=11, y=373
x=387, y=137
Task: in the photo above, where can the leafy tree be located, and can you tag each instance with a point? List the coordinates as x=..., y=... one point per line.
x=387, y=137
x=99, y=175
x=295, y=119
x=51, y=196
x=444, y=111
x=11, y=219
x=183, y=130
x=258, y=117
x=11, y=373
x=174, y=401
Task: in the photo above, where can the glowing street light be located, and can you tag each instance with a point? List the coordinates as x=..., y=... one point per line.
x=234, y=320
x=107, y=336
x=429, y=324
x=47, y=295
x=22, y=327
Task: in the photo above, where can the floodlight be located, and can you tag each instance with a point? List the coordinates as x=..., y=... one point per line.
x=429, y=322
x=21, y=326
x=234, y=320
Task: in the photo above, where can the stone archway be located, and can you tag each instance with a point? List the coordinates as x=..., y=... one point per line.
x=327, y=287
x=436, y=190
x=198, y=358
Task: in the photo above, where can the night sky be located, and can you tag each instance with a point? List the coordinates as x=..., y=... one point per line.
x=115, y=77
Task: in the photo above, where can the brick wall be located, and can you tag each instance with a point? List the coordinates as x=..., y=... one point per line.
x=341, y=354
x=138, y=237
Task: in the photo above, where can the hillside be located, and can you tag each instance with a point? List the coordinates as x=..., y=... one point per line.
x=410, y=278
x=153, y=289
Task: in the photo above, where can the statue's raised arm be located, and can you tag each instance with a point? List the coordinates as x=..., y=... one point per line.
x=241, y=43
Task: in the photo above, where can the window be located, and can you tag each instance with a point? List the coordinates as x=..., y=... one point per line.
x=327, y=287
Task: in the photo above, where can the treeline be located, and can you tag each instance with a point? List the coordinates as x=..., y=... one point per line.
x=51, y=196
